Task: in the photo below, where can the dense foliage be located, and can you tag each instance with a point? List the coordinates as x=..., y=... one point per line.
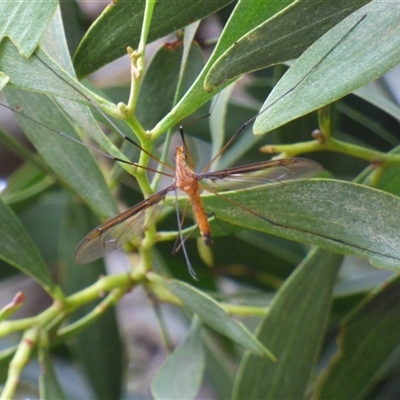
x=309, y=270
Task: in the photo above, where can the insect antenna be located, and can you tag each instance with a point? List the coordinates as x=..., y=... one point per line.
x=182, y=134
x=121, y=160
x=185, y=146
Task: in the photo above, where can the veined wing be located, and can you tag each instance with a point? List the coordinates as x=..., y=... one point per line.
x=264, y=172
x=121, y=229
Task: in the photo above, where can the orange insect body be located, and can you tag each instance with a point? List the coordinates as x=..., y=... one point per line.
x=188, y=181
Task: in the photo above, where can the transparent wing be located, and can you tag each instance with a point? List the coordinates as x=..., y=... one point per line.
x=260, y=173
x=120, y=230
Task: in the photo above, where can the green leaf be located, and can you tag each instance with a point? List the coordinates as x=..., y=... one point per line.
x=280, y=38
x=17, y=249
x=72, y=163
x=24, y=22
x=293, y=328
x=49, y=386
x=371, y=94
x=353, y=53
x=343, y=217
x=180, y=376
x=246, y=18
x=212, y=314
x=33, y=74
x=219, y=110
x=120, y=26
x=368, y=337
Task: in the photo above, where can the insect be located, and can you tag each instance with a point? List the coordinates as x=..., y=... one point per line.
x=133, y=222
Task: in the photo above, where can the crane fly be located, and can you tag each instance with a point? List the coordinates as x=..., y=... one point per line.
x=133, y=222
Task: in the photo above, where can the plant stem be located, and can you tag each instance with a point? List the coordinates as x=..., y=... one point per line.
x=138, y=56
x=113, y=297
x=244, y=311
x=331, y=144
x=20, y=359
x=105, y=284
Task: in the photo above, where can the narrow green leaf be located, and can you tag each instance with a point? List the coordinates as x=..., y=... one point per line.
x=368, y=336
x=17, y=249
x=120, y=25
x=217, y=122
x=371, y=94
x=70, y=161
x=32, y=74
x=24, y=22
x=212, y=314
x=343, y=217
x=281, y=38
x=245, y=18
x=189, y=34
x=50, y=388
x=361, y=53
x=180, y=376
x=293, y=328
